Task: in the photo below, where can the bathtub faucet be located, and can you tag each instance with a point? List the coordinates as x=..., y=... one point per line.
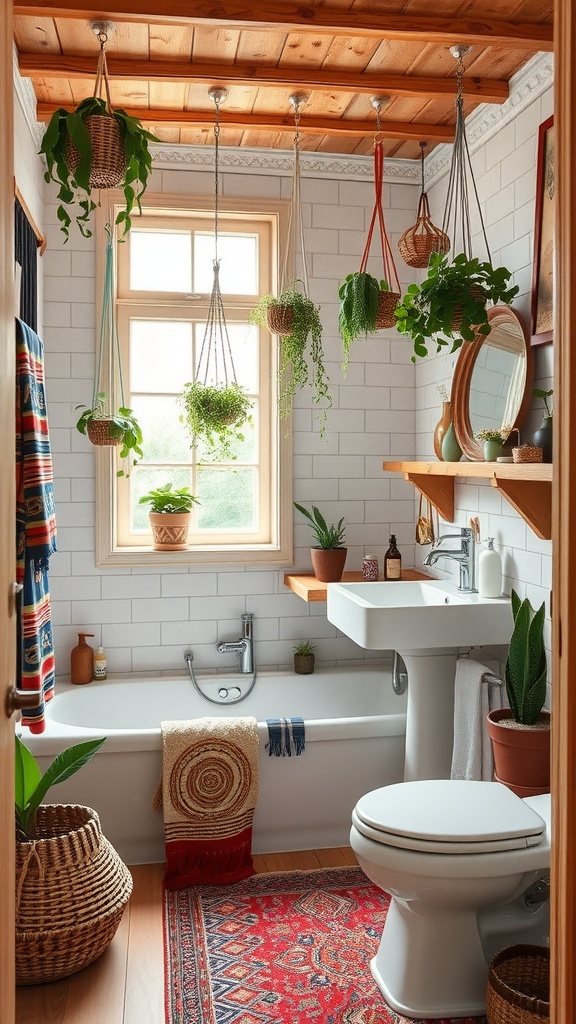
x=464, y=555
x=242, y=647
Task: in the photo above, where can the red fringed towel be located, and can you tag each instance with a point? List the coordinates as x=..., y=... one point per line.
x=210, y=776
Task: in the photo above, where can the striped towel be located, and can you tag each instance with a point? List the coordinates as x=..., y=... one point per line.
x=210, y=778
x=284, y=736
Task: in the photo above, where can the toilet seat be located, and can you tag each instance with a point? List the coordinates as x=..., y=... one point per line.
x=448, y=816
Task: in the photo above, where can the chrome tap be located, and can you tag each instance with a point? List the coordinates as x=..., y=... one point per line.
x=242, y=647
x=464, y=555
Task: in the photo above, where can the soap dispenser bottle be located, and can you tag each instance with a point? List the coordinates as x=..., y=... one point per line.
x=82, y=660
x=489, y=571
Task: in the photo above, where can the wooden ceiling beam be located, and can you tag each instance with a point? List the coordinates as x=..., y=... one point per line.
x=47, y=65
x=279, y=122
x=297, y=17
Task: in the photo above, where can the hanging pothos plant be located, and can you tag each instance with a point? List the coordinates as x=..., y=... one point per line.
x=302, y=320
x=215, y=415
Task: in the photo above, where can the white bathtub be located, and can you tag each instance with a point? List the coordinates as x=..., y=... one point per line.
x=355, y=729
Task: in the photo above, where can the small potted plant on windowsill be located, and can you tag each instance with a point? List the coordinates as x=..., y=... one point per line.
x=366, y=305
x=170, y=512
x=329, y=555
x=111, y=430
x=494, y=439
x=215, y=414
x=520, y=734
x=304, y=657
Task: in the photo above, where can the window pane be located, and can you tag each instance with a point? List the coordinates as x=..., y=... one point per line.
x=144, y=479
x=160, y=261
x=160, y=355
x=165, y=436
x=238, y=256
x=228, y=499
x=243, y=340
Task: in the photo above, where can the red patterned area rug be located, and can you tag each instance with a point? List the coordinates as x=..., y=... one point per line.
x=286, y=948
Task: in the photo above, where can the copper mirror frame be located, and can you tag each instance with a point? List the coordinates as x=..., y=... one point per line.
x=506, y=318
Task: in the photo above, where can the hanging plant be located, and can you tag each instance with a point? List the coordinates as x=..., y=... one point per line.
x=106, y=430
x=96, y=147
x=216, y=414
x=302, y=320
x=418, y=242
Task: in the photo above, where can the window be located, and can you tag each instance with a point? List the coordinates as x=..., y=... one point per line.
x=164, y=282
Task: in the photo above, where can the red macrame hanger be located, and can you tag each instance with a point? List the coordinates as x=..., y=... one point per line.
x=390, y=274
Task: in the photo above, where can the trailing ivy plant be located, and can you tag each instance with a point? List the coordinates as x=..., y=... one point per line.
x=293, y=369
x=66, y=127
x=215, y=414
x=358, y=308
x=459, y=288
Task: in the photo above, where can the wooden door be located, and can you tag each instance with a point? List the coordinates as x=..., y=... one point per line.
x=7, y=517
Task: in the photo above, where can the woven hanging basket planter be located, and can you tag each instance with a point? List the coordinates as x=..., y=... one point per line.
x=519, y=986
x=477, y=293
x=280, y=319
x=71, y=891
x=387, y=302
x=418, y=243
x=109, y=159
x=98, y=432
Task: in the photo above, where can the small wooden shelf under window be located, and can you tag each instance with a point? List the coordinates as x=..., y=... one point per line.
x=306, y=586
x=526, y=486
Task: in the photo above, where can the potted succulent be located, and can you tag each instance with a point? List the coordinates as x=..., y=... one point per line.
x=494, y=439
x=366, y=305
x=71, y=886
x=95, y=147
x=215, y=414
x=304, y=657
x=169, y=516
x=294, y=317
x=543, y=436
x=329, y=555
x=520, y=734
x=450, y=304
x=106, y=429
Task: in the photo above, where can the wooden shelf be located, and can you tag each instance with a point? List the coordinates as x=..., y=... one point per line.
x=306, y=586
x=526, y=486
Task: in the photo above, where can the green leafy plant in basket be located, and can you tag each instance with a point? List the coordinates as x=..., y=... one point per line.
x=297, y=319
x=69, y=150
x=120, y=429
x=216, y=414
x=31, y=786
x=358, y=311
x=449, y=306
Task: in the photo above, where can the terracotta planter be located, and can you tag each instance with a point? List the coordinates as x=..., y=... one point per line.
x=303, y=664
x=328, y=563
x=521, y=753
x=170, y=530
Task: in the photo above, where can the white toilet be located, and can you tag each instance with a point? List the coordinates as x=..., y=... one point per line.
x=457, y=859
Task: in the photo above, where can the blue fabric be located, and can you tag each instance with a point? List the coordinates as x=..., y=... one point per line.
x=285, y=736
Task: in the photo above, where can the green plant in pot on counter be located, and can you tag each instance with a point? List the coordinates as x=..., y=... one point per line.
x=520, y=734
x=329, y=554
x=304, y=657
x=493, y=438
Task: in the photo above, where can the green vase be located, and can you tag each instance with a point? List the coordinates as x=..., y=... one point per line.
x=451, y=450
x=492, y=450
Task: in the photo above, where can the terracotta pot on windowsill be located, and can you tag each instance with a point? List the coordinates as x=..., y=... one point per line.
x=170, y=530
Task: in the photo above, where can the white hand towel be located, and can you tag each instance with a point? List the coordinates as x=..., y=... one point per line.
x=473, y=699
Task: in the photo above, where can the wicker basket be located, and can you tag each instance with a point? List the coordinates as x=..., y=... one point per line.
x=518, y=986
x=280, y=319
x=418, y=243
x=99, y=433
x=527, y=453
x=477, y=293
x=109, y=153
x=387, y=302
x=71, y=890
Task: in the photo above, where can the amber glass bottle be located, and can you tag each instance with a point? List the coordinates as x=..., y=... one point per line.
x=392, y=561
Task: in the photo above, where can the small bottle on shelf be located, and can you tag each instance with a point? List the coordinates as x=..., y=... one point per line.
x=392, y=561
x=100, y=666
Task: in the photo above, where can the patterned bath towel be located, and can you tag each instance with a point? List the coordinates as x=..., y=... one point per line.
x=210, y=778
x=284, y=736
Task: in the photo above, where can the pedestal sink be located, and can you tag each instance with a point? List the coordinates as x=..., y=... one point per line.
x=427, y=622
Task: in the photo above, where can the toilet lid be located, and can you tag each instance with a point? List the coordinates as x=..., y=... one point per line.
x=448, y=816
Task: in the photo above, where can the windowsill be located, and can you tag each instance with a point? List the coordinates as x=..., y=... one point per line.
x=257, y=557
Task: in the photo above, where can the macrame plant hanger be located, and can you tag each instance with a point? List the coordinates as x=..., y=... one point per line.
x=387, y=299
x=418, y=242
x=216, y=362
x=456, y=221
x=101, y=430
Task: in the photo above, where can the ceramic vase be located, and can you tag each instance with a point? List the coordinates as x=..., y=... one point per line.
x=492, y=450
x=543, y=438
x=441, y=428
x=451, y=450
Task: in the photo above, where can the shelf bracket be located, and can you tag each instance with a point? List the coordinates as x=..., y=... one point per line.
x=438, y=489
x=532, y=499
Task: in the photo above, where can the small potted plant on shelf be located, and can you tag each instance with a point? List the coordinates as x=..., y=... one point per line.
x=111, y=430
x=294, y=317
x=94, y=147
x=68, y=906
x=520, y=734
x=329, y=555
x=170, y=512
x=494, y=439
x=449, y=306
x=304, y=657
x=215, y=414
x=366, y=305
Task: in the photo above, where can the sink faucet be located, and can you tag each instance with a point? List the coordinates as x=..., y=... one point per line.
x=241, y=647
x=464, y=555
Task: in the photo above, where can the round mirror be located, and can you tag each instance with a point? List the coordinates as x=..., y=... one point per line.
x=492, y=381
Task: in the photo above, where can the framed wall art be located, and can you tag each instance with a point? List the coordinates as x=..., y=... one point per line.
x=542, y=304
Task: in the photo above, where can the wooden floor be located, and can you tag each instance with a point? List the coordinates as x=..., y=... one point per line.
x=126, y=985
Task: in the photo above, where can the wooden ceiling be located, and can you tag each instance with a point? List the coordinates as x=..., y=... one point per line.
x=164, y=56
